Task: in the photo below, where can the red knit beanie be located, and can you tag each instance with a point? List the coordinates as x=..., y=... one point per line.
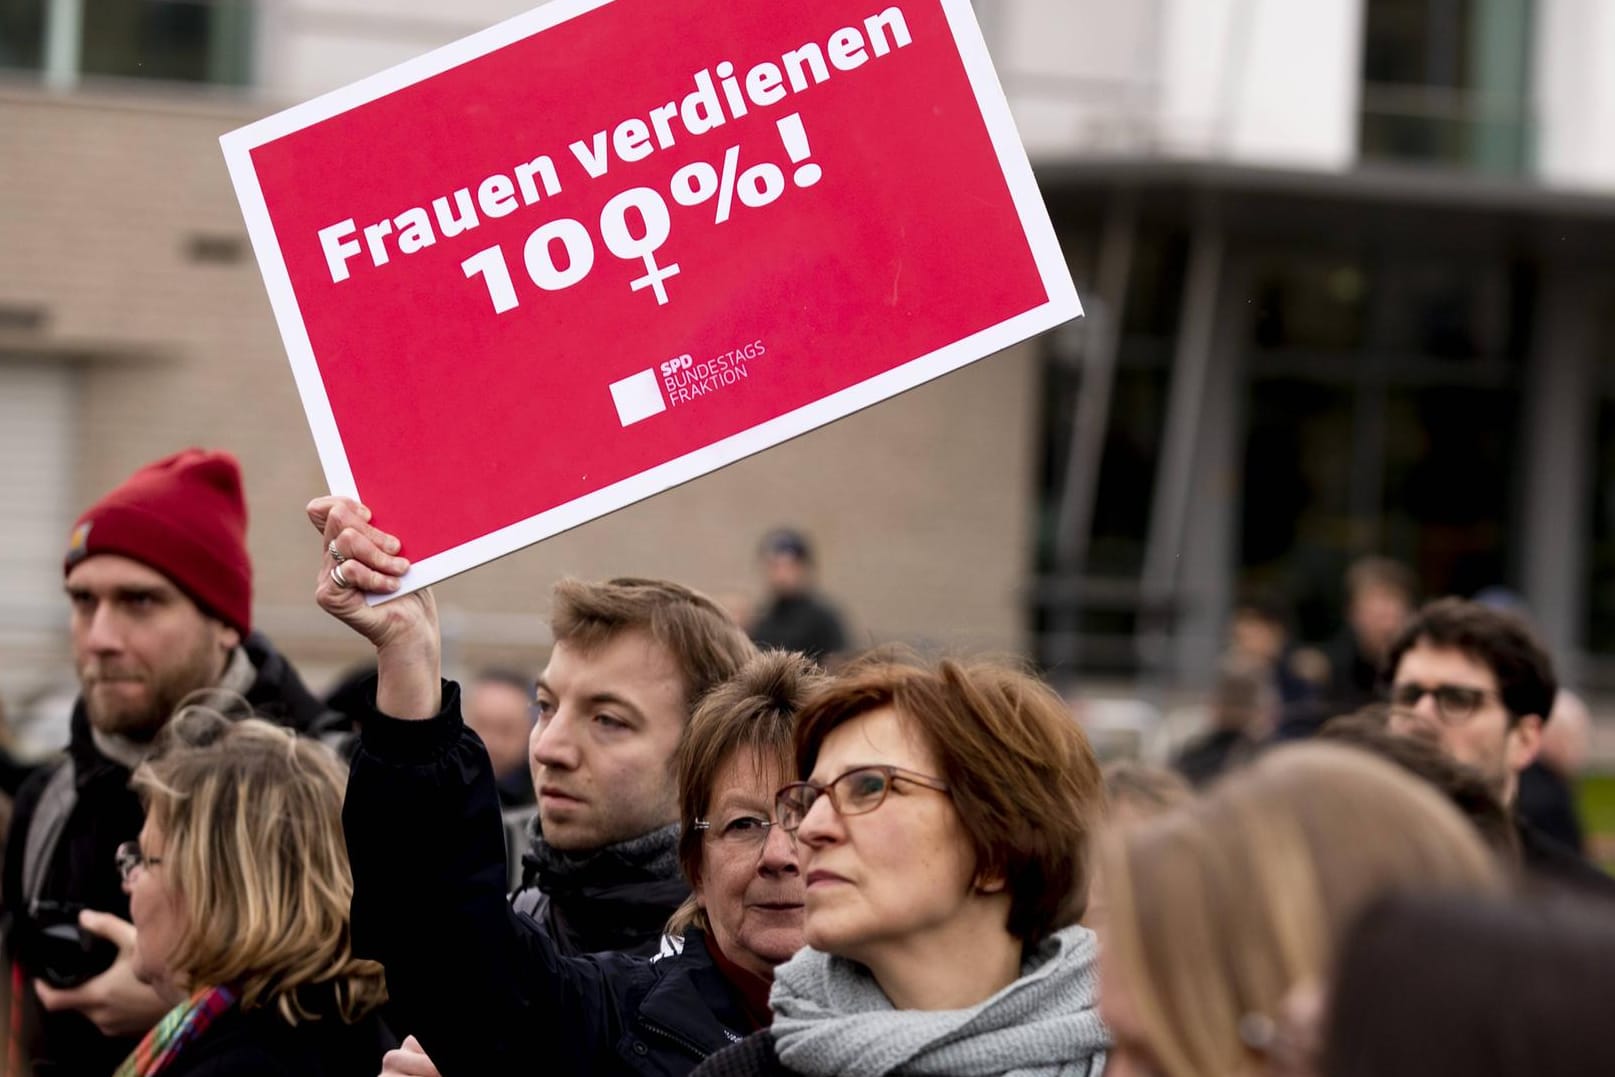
x=185, y=517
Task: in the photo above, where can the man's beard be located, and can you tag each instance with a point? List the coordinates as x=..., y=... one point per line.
x=166, y=689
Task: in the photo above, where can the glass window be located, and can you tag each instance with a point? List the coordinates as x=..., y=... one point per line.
x=1382, y=418
x=1447, y=81
x=22, y=33
x=175, y=40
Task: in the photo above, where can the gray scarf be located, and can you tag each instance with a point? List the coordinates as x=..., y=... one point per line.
x=830, y=1017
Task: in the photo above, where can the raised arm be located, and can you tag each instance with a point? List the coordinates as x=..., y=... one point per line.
x=361, y=558
x=479, y=988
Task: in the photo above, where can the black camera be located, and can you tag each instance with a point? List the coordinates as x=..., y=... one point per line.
x=50, y=944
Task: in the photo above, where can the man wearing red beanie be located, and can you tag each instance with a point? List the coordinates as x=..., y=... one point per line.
x=160, y=589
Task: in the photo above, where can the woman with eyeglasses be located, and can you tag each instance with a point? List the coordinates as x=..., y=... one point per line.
x=942, y=821
x=238, y=889
x=480, y=988
x=505, y=1001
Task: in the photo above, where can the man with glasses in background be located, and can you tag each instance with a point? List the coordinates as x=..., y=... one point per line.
x=1476, y=682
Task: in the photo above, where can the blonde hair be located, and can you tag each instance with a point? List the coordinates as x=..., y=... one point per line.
x=251, y=819
x=1219, y=908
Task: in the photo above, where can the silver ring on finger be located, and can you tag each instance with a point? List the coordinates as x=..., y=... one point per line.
x=338, y=578
x=330, y=548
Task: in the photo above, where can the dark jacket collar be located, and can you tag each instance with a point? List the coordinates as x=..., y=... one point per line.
x=616, y=898
x=693, y=1004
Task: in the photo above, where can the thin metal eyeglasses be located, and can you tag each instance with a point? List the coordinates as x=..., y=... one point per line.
x=129, y=857
x=1454, y=702
x=857, y=792
x=741, y=832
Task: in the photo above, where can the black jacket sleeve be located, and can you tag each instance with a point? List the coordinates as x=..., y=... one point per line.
x=478, y=984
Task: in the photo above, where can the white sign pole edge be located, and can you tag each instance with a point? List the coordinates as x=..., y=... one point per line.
x=1012, y=158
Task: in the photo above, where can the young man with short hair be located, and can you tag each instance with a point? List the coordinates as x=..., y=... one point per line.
x=631, y=659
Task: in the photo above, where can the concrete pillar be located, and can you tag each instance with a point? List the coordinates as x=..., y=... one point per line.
x=1557, y=443
x=1573, y=84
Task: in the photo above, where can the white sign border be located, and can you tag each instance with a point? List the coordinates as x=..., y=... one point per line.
x=1061, y=306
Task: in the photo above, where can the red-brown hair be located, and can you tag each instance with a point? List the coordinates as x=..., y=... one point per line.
x=1019, y=770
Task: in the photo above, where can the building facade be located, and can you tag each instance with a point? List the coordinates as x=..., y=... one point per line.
x=1346, y=264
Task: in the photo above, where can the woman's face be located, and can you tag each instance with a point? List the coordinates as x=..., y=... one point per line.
x=886, y=881
x=750, y=885
x=155, y=908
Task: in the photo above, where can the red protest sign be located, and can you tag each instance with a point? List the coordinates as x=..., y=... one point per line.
x=606, y=247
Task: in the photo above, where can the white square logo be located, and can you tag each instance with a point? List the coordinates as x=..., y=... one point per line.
x=638, y=397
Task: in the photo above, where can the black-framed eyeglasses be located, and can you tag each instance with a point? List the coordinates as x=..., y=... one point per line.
x=857, y=792
x=741, y=832
x=1454, y=702
x=129, y=857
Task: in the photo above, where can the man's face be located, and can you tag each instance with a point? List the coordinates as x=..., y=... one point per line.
x=1486, y=739
x=786, y=573
x=601, y=753
x=140, y=644
x=500, y=714
x=1377, y=614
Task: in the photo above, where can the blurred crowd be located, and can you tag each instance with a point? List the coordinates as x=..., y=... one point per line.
x=714, y=840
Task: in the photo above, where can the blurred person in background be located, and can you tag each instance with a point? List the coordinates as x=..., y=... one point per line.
x=1476, y=682
x=1380, y=597
x=1225, y=915
x=943, y=823
x=1134, y=793
x=159, y=587
x=483, y=988
x=1450, y=986
x=239, y=888
x=795, y=617
x=499, y=709
x=1242, y=713
x=1259, y=636
x=1465, y=787
x=1547, y=798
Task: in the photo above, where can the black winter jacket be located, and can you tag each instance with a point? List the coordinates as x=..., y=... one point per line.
x=106, y=814
x=753, y=1056
x=262, y=1044
x=611, y=899
x=482, y=987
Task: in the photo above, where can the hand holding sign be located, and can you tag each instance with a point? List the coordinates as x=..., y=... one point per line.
x=361, y=558
x=547, y=271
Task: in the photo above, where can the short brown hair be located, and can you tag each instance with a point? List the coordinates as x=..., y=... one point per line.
x=251, y=816
x=1502, y=642
x=755, y=710
x=705, y=643
x=1019, y=770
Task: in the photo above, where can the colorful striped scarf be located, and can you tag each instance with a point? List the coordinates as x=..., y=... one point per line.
x=181, y=1025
